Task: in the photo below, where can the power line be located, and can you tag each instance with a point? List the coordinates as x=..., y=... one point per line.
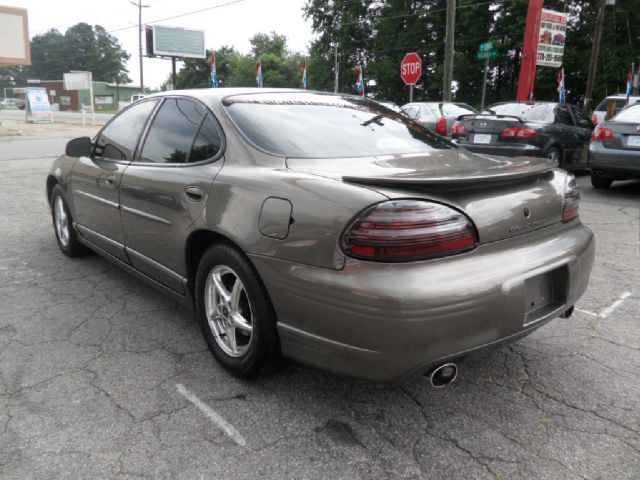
x=220, y=5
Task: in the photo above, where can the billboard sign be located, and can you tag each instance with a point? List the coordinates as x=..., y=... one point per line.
x=77, y=81
x=177, y=42
x=15, y=48
x=553, y=31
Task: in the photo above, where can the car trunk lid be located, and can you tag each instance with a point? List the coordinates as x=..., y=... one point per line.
x=486, y=129
x=626, y=136
x=504, y=197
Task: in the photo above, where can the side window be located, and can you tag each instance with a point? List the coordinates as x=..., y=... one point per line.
x=581, y=118
x=563, y=116
x=208, y=142
x=118, y=139
x=172, y=132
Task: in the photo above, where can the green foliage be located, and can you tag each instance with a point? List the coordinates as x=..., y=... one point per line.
x=280, y=67
x=379, y=33
x=82, y=47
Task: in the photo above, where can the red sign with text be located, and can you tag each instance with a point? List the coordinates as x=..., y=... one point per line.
x=411, y=68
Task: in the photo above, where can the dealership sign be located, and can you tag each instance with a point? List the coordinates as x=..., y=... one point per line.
x=553, y=31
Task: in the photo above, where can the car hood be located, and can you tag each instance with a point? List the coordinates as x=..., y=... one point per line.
x=439, y=167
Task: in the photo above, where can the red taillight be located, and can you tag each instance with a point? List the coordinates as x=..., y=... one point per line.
x=600, y=134
x=441, y=127
x=408, y=230
x=514, y=132
x=594, y=119
x=458, y=130
x=571, y=199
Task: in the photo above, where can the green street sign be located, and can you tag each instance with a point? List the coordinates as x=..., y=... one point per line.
x=491, y=55
x=486, y=46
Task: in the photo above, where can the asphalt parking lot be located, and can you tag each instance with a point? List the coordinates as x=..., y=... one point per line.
x=103, y=377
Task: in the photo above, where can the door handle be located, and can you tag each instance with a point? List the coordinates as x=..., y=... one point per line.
x=193, y=193
x=110, y=181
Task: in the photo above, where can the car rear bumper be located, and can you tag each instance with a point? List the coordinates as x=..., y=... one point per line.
x=514, y=150
x=611, y=162
x=388, y=321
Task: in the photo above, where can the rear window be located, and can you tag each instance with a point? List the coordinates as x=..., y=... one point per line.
x=309, y=125
x=456, y=109
x=631, y=114
x=606, y=103
x=536, y=112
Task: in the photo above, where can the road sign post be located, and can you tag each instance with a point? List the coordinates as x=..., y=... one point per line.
x=486, y=51
x=410, y=71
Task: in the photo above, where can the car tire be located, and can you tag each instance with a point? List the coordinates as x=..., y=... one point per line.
x=599, y=182
x=66, y=235
x=554, y=154
x=237, y=319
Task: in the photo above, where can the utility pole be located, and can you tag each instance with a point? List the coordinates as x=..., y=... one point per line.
x=140, y=7
x=448, y=50
x=335, y=69
x=593, y=63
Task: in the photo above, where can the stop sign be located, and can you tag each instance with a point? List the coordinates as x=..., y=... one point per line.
x=411, y=68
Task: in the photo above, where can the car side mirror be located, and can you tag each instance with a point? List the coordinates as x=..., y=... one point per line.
x=78, y=147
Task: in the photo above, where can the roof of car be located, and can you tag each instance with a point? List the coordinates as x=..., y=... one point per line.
x=220, y=93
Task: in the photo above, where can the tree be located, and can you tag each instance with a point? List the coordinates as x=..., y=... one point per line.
x=281, y=68
x=82, y=47
x=379, y=33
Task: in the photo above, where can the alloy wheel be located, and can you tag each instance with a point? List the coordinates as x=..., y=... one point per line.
x=61, y=222
x=228, y=310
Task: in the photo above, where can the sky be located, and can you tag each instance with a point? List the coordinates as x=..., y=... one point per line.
x=232, y=24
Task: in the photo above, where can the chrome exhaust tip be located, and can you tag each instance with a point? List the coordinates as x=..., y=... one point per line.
x=443, y=375
x=567, y=313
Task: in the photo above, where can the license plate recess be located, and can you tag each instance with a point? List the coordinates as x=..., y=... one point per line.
x=545, y=293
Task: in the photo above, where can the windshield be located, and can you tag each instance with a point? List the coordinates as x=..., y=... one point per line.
x=311, y=125
x=533, y=112
x=631, y=114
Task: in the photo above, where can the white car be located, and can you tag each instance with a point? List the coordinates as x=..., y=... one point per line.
x=614, y=102
x=137, y=96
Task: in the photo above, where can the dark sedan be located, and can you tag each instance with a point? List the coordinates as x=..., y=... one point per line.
x=614, y=152
x=559, y=132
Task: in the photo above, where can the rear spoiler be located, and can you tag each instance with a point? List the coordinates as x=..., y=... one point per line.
x=515, y=170
x=469, y=115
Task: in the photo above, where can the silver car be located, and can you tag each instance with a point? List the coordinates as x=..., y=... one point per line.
x=324, y=228
x=438, y=116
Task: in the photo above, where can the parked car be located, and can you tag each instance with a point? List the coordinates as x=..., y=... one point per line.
x=13, y=102
x=611, y=106
x=614, y=151
x=437, y=116
x=383, y=253
x=137, y=96
x=560, y=132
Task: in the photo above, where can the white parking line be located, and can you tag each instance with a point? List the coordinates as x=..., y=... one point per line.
x=213, y=416
x=609, y=310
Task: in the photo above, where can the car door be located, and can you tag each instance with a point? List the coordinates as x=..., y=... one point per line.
x=95, y=180
x=584, y=128
x=164, y=190
x=565, y=133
